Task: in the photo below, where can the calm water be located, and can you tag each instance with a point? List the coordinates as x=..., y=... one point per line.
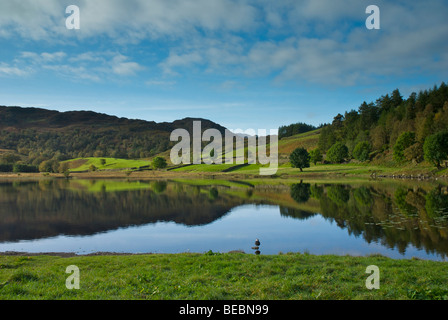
x=393, y=219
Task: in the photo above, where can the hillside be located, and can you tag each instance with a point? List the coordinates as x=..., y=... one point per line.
x=393, y=129
x=35, y=135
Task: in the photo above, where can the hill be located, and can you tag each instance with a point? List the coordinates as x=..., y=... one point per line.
x=34, y=135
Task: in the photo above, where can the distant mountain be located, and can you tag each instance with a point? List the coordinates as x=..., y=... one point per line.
x=36, y=133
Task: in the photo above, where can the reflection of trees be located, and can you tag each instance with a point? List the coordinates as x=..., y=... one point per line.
x=404, y=206
x=338, y=194
x=414, y=217
x=296, y=213
x=158, y=186
x=394, y=217
x=437, y=203
x=300, y=192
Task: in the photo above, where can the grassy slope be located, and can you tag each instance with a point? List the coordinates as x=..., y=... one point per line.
x=111, y=163
x=307, y=140
x=220, y=276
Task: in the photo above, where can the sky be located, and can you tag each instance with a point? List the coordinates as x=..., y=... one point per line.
x=245, y=64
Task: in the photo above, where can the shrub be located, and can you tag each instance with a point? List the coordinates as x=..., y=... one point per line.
x=337, y=153
x=435, y=148
x=316, y=156
x=49, y=166
x=404, y=141
x=159, y=163
x=362, y=151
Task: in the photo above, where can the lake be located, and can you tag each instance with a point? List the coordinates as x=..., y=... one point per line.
x=397, y=219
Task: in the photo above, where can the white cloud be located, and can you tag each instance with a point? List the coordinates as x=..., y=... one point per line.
x=180, y=60
x=137, y=19
x=8, y=70
x=92, y=66
x=121, y=66
x=56, y=56
x=319, y=41
x=43, y=57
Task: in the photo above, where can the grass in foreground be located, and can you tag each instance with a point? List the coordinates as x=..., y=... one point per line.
x=220, y=276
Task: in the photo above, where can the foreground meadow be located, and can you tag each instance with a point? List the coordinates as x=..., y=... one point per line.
x=219, y=276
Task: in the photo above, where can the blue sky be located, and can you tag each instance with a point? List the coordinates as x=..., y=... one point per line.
x=242, y=63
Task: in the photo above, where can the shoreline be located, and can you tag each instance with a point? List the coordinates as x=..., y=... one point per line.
x=371, y=175
x=130, y=254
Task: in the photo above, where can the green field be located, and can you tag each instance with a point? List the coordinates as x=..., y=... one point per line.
x=322, y=170
x=83, y=164
x=220, y=276
x=308, y=140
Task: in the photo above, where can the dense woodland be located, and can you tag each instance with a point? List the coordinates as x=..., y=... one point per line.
x=392, y=129
x=295, y=128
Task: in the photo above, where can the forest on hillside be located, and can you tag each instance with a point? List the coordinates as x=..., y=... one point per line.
x=31, y=136
x=392, y=129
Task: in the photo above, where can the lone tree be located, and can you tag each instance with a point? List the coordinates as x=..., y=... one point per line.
x=337, y=153
x=159, y=163
x=300, y=158
x=436, y=148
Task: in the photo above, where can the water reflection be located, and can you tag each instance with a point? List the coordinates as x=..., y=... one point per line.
x=394, y=216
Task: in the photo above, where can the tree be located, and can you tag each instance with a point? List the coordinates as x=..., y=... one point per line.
x=92, y=167
x=404, y=141
x=327, y=138
x=300, y=158
x=435, y=148
x=24, y=168
x=9, y=158
x=414, y=153
x=316, y=156
x=362, y=151
x=159, y=163
x=49, y=166
x=337, y=153
x=64, y=167
x=103, y=162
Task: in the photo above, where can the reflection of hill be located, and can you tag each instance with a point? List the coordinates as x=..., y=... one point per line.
x=296, y=213
x=42, y=210
x=393, y=216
